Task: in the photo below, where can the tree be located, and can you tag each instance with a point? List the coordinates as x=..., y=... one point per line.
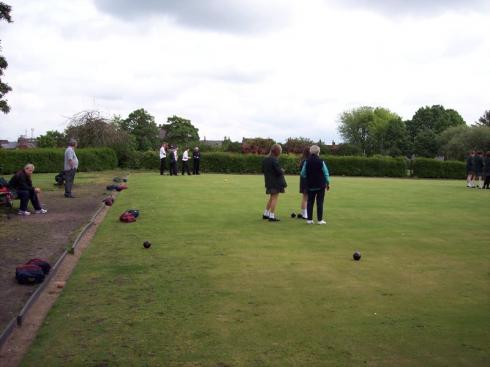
x=374, y=131
x=142, y=126
x=354, y=126
x=180, y=131
x=4, y=87
x=52, y=139
x=484, y=120
x=425, y=144
x=90, y=129
x=456, y=142
x=435, y=118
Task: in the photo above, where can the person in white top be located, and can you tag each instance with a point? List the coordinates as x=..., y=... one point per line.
x=185, y=162
x=163, y=158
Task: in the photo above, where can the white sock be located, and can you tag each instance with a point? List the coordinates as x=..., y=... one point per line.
x=266, y=213
x=271, y=215
x=304, y=213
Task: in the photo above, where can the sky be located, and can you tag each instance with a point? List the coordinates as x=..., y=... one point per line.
x=243, y=68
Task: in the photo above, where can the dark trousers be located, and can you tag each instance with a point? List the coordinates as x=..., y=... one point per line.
x=195, y=168
x=185, y=167
x=319, y=195
x=486, y=184
x=173, y=168
x=162, y=165
x=25, y=196
x=69, y=178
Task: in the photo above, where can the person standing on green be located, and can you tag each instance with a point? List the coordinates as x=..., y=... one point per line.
x=70, y=168
x=275, y=183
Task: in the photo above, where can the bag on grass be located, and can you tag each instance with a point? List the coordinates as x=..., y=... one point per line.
x=60, y=178
x=108, y=201
x=29, y=274
x=135, y=212
x=42, y=263
x=117, y=179
x=121, y=187
x=127, y=217
x=111, y=187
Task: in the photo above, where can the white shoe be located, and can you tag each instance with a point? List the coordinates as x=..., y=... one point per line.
x=21, y=212
x=322, y=222
x=309, y=222
x=41, y=211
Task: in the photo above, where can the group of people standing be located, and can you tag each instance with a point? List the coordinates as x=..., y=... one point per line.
x=314, y=181
x=478, y=168
x=173, y=154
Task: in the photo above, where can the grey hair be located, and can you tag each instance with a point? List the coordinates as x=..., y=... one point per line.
x=72, y=142
x=315, y=149
x=29, y=165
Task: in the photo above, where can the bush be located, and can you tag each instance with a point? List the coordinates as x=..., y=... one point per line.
x=363, y=166
x=347, y=166
x=51, y=159
x=432, y=168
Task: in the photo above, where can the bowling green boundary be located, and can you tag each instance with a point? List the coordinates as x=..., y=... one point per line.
x=222, y=287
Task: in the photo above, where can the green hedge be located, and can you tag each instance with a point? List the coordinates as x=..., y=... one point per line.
x=432, y=168
x=51, y=159
x=219, y=162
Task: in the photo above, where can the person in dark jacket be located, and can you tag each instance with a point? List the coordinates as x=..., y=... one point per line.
x=303, y=188
x=173, y=160
x=21, y=182
x=478, y=160
x=317, y=179
x=196, y=160
x=470, y=170
x=486, y=171
x=275, y=183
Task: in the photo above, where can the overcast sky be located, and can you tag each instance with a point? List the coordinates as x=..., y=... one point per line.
x=243, y=68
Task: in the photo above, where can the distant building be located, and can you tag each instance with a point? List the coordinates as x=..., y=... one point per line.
x=26, y=143
x=212, y=143
x=5, y=144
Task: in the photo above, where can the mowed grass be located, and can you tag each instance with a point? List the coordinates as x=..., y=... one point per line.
x=222, y=287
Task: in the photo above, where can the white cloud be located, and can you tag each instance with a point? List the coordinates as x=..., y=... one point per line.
x=234, y=78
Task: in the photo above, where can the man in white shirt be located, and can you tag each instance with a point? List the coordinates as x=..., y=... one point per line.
x=163, y=158
x=70, y=167
x=185, y=162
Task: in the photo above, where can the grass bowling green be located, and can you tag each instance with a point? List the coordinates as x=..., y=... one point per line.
x=220, y=286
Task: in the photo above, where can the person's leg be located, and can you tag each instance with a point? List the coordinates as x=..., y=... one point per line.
x=480, y=181
x=198, y=167
x=310, y=203
x=468, y=180
x=187, y=168
x=24, y=199
x=35, y=200
x=162, y=163
x=304, y=202
x=69, y=178
x=272, y=206
x=320, y=197
x=194, y=167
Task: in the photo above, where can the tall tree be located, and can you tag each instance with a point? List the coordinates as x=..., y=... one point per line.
x=142, y=126
x=374, y=130
x=4, y=87
x=354, y=126
x=435, y=118
x=180, y=131
x=484, y=120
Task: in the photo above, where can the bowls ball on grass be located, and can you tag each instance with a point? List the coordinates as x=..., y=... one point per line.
x=293, y=215
x=147, y=244
x=356, y=256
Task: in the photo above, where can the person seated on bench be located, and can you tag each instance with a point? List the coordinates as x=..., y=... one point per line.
x=21, y=182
